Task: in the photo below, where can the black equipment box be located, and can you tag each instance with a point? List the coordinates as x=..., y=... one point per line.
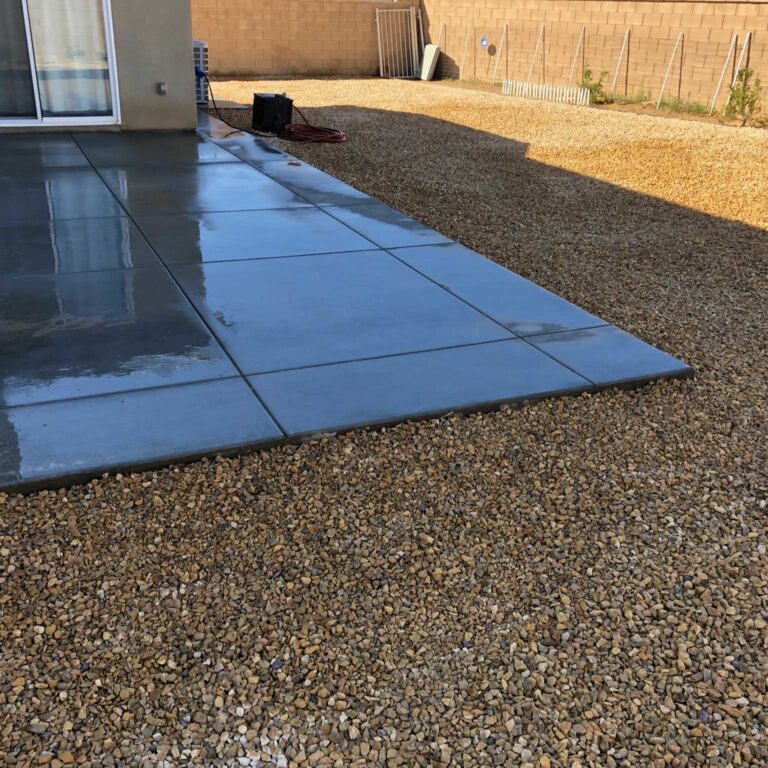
x=271, y=112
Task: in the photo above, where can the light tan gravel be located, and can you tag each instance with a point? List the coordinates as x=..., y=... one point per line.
x=715, y=169
x=582, y=582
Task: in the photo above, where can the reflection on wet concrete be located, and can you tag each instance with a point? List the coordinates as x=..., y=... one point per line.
x=609, y=356
x=513, y=301
x=35, y=154
x=74, y=335
x=60, y=193
x=75, y=439
x=313, y=184
x=233, y=235
x=273, y=314
x=73, y=245
x=10, y=449
x=185, y=188
x=150, y=150
x=385, y=226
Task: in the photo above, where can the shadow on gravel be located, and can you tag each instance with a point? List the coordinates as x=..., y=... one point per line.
x=684, y=280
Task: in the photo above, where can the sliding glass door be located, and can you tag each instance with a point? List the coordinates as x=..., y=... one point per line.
x=17, y=94
x=56, y=63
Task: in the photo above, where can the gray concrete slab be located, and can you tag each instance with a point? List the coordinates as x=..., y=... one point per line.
x=165, y=297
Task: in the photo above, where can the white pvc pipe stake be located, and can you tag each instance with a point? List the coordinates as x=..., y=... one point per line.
x=535, y=54
x=618, y=63
x=722, y=74
x=744, y=49
x=464, y=57
x=669, y=69
x=498, y=53
x=576, y=55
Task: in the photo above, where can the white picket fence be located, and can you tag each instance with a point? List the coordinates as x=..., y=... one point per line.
x=566, y=94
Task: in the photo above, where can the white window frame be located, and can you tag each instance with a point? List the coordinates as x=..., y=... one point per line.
x=40, y=121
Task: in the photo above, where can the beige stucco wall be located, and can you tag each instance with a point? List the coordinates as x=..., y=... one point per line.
x=153, y=43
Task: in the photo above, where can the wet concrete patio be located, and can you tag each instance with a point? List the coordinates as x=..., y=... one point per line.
x=170, y=296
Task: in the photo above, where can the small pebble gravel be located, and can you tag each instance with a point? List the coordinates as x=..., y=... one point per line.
x=578, y=582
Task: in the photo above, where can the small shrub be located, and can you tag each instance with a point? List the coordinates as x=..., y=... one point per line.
x=597, y=94
x=637, y=98
x=679, y=105
x=744, y=98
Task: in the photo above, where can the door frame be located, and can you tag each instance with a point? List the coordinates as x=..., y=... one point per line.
x=39, y=121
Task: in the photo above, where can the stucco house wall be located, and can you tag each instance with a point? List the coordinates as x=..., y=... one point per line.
x=153, y=43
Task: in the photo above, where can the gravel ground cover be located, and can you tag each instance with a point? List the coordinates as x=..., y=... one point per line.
x=581, y=582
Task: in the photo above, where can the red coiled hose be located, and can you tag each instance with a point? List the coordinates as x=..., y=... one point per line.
x=311, y=133
x=292, y=131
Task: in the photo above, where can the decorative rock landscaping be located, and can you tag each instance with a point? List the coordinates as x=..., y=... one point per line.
x=579, y=582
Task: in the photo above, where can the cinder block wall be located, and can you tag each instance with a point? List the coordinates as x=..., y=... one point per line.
x=290, y=37
x=708, y=27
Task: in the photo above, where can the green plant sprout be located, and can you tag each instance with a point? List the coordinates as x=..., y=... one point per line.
x=597, y=94
x=744, y=97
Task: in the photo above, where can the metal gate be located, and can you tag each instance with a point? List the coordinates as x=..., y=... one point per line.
x=401, y=42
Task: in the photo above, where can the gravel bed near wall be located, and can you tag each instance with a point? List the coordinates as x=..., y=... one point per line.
x=579, y=582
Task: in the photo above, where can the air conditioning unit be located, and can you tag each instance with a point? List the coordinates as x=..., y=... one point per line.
x=200, y=49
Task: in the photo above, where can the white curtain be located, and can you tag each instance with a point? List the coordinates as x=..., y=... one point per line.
x=17, y=99
x=71, y=57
